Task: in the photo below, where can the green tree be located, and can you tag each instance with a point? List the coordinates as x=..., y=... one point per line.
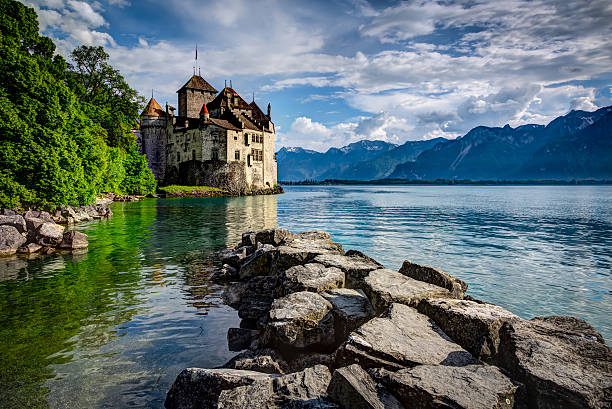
x=60, y=143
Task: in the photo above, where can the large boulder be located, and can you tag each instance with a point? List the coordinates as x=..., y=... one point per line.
x=312, y=277
x=359, y=254
x=385, y=287
x=17, y=221
x=401, y=338
x=256, y=298
x=296, y=390
x=353, y=388
x=241, y=338
x=443, y=387
x=196, y=388
x=355, y=267
x=32, y=225
x=50, y=234
x=475, y=326
x=304, y=247
x=351, y=309
x=267, y=236
x=434, y=276
x=74, y=240
x=300, y=320
x=234, y=257
x=10, y=240
x=29, y=248
x=562, y=361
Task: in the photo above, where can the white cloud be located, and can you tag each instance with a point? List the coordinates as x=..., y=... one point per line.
x=119, y=3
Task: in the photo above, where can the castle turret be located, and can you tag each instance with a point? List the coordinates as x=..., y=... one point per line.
x=153, y=123
x=193, y=94
x=204, y=115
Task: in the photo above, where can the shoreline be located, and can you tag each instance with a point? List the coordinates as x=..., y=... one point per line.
x=446, y=182
x=324, y=327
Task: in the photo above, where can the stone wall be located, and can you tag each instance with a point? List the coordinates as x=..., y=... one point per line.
x=154, y=134
x=191, y=101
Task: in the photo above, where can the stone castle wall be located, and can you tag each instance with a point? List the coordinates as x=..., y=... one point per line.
x=191, y=101
x=153, y=144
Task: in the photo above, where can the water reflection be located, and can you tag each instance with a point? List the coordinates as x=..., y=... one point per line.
x=113, y=327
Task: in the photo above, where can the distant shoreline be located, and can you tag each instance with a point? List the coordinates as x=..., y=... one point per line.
x=448, y=182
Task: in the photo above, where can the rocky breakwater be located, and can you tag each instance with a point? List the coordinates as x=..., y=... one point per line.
x=35, y=231
x=325, y=328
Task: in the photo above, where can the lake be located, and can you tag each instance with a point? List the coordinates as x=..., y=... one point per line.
x=112, y=327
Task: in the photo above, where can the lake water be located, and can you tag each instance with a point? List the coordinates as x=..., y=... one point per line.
x=114, y=326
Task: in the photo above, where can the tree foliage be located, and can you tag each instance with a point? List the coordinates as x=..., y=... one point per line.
x=64, y=130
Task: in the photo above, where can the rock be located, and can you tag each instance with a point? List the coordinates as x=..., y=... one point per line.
x=351, y=309
x=312, y=277
x=296, y=390
x=240, y=338
x=267, y=236
x=434, y=276
x=234, y=257
x=474, y=326
x=17, y=221
x=261, y=262
x=257, y=298
x=264, y=360
x=49, y=234
x=200, y=388
x=300, y=320
x=562, y=361
x=10, y=240
x=384, y=287
x=353, y=388
x=7, y=212
x=355, y=268
x=74, y=240
x=29, y=248
x=304, y=247
x=401, y=338
x=33, y=223
x=360, y=255
x=438, y=386
x=302, y=360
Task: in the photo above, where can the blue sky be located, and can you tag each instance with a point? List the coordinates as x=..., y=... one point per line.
x=337, y=72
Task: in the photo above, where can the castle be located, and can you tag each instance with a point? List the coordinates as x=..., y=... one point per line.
x=215, y=140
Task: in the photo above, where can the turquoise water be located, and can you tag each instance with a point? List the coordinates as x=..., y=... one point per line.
x=113, y=327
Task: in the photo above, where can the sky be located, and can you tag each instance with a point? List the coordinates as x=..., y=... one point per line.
x=336, y=72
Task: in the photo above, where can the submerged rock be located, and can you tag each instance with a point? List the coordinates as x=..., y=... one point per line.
x=434, y=276
x=29, y=248
x=385, y=287
x=10, y=240
x=562, y=361
x=300, y=320
x=312, y=277
x=351, y=309
x=401, y=338
x=352, y=387
x=442, y=387
x=200, y=388
x=475, y=326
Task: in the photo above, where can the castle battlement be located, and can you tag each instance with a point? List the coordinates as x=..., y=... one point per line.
x=217, y=139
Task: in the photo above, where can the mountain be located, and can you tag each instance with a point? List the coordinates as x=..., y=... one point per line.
x=382, y=165
x=577, y=145
x=297, y=164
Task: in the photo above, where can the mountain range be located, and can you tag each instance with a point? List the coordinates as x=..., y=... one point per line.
x=574, y=146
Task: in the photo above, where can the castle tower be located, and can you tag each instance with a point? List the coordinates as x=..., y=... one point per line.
x=192, y=95
x=153, y=127
x=204, y=114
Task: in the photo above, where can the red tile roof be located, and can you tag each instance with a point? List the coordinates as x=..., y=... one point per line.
x=224, y=124
x=153, y=109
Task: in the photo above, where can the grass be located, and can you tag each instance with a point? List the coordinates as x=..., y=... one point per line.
x=185, y=190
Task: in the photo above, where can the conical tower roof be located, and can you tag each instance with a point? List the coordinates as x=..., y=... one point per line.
x=153, y=109
x=204, y=110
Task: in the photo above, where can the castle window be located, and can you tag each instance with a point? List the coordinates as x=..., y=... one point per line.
x=214, y=154
x=237, y=155
x=246, y=139
x=193, y=154
x=253, y=138
x=178, y=156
